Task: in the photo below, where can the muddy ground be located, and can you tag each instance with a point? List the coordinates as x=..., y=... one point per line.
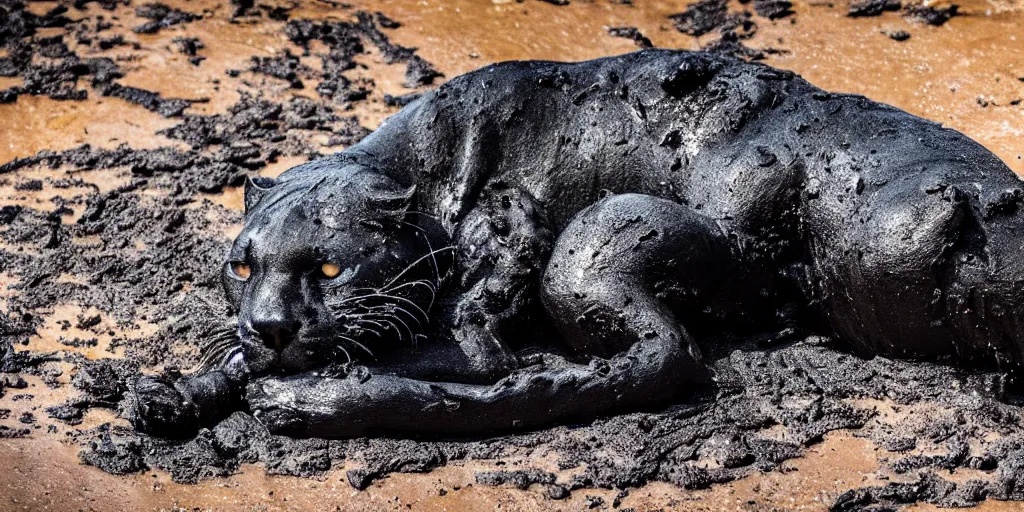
x=126, y=128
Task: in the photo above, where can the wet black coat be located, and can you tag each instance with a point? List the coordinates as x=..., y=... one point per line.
x=904, y=235
x=733, y=196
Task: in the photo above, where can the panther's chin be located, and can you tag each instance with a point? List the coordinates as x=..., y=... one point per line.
x=299, y=356
x=260, y=359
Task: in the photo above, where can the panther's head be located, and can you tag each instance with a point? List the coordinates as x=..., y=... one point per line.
x=333, y=265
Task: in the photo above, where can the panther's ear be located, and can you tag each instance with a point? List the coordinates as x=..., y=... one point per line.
x=390, y=204
x=255, y=189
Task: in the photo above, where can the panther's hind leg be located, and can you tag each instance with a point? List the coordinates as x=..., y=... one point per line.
x=627, y=269
x=887, y=278
x=613, y=276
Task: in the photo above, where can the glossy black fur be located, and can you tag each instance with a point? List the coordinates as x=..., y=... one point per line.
x=588, y=224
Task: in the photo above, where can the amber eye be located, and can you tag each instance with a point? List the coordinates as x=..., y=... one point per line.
x=330, y=270
x=240, y=270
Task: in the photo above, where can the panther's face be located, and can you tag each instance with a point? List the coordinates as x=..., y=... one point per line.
x=331, y=267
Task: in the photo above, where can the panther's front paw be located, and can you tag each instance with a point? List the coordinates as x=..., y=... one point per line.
x=496, y=365
x=487, y=357
x=157, y=408
x=313, y=405
x=273, y=401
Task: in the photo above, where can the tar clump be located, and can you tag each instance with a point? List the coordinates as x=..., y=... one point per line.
x=161, y=16
x=707, y=16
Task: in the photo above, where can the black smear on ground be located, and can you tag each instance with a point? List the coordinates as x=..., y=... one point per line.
x=935, y=16
x=419, y=73
x=285, y=66
x=773, y=9
x=706, y=16
x=386, y=22
x=731, y=44
x=161, y=16
x=189, y=46
x=49, y=68
x=524, y=479
x=109, y=5
x=150, y=100
x=859, y=8
x=918, y=12
x=631, y=33
x=701, y=17
x=897, y=35
x=345, y=39
x=241, y=7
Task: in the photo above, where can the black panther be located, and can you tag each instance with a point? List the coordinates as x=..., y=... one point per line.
x=540, y=242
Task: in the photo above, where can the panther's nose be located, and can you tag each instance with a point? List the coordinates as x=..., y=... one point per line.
x=276, y=332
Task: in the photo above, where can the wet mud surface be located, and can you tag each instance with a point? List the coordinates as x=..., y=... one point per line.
x=128, y=128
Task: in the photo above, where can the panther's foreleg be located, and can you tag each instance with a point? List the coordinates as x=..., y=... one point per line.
x=167, y=407
x=615, y=278
x=311, y=405
x=502, y=245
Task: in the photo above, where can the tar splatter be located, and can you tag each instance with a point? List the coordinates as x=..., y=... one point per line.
x=929, y=14
x=701, y=17
x=161, y=16
x=633, y=34
x=914, y=11
x=733, y=28
x=872, y=7
x=897, y=35
x=49, y=68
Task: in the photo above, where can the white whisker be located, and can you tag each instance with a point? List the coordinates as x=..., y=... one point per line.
x=414, y=226
x=414, y=318
x=411, y=303
x=360, y=345
x=389, y=319
x=348, y=300
x=418, y=282
x=361, y=321
x=347, y=355
x=414, y=263
x=389, y=309
x=407, y=328
x=437, y=270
